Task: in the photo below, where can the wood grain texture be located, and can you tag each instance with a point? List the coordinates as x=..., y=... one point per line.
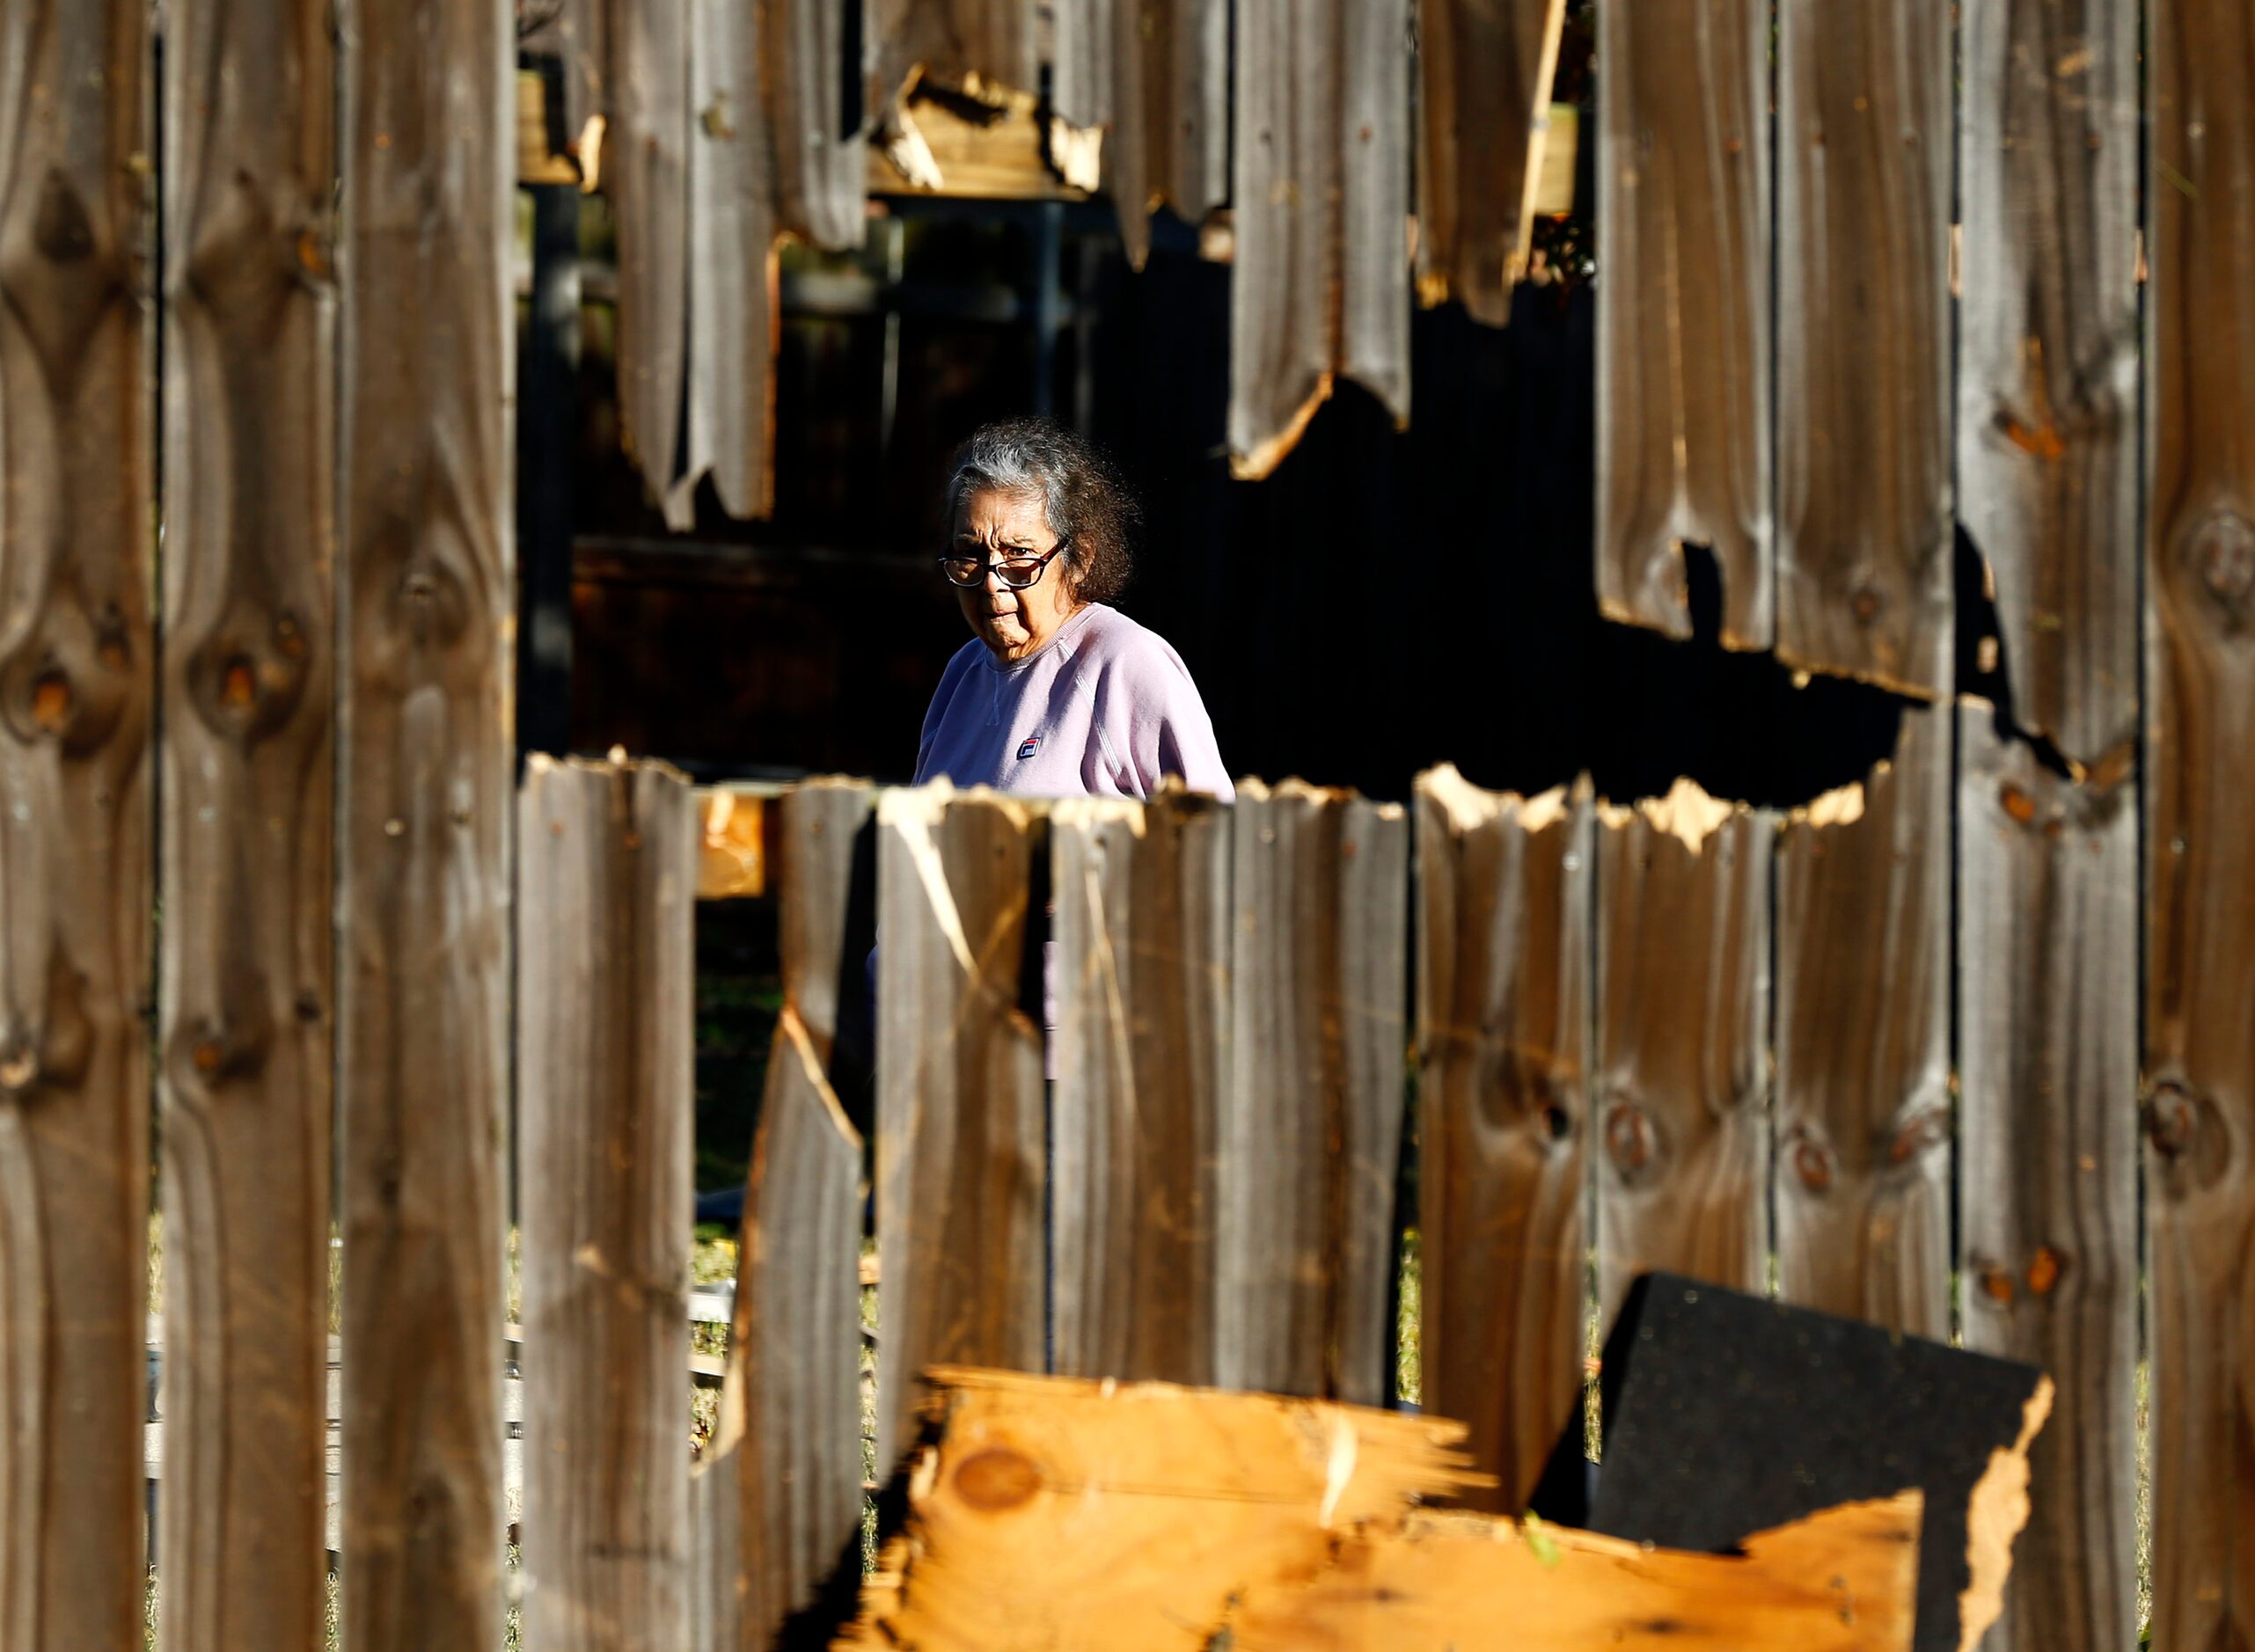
x=821, y=162
x=646, y=173
x=780, y=1494
x=1483, y=112
x=1154, y=73
x=575, y=33
x=2199, y=654
x=1320, y=193
x=427, y=607
x=1863, y=196
x=1683, y=317
x=1311, y=1127
x=2047, y=1051
x=993, y=41
x=75, y=663
x=1864, y=970
x=606, y=888
x=2047, y=355
x=1142, y=1051
x=961, y=1125
x=1502, y=1082
x=248, y=966
x=1682, y=1041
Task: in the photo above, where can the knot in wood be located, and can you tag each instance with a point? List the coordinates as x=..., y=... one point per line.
x=997, y=1478
x=1920, y=1133
x=1996, y=1283
x=1812, y=1164
x=2045, y=1269
x=19, y=1065
x=1630, y=1137
x=2222, y=550
x=2017, y=803
x=2171, y=1119
x=1866, y=604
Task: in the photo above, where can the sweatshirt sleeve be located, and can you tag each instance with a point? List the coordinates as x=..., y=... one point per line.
x=1155, y=723
x=935, y=713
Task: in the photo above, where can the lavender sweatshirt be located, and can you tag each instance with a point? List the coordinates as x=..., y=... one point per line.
x=1104, y=709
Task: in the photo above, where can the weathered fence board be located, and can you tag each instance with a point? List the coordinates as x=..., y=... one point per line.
x=2047, y=355
x=961, y=1131
x=428, y=604
x=1503, y=1035
x=1864, y=193
x=646, y=174
x=1682, y=1041
x=74, y=688
x=1311, y=1129
x=1320, y=204
x=1483, y=111
x=1683, y=323
x=607, y=883
x=1863, y=946
x=822, y=166
x=246, y=978
x=2047, y=1052
x=995, y=41
x=780, y=1496
x=2199, y=1058
x=1143, y=907
x=1156, y=74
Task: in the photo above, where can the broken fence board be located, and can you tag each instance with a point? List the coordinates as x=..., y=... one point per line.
x=246, y=978
x=961, y=1131
x=1143, y=931
x=1863, y=944
x=1683, y=323
x=1503, y=1081
x=1156, y=73
x=607, y=887
x=1863, y=198
x=993, y=42
x=1484, y=113
x=2047, y=1013
x=1310, y=1138
x=74, y=674
x=1320, y=286
x=645, y=171
x=1682, y=1041
x=427, y=606
x=821, y=161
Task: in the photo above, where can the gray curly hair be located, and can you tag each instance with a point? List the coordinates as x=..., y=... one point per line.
x=1088, y=506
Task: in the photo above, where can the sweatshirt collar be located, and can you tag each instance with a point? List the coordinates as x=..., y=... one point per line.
x=1012, y=668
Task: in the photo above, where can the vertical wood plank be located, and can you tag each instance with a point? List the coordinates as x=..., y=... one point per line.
x=607, y=887
x=248, y=951
x=1483, y=114
x=961, y=1131
x=1683, y=321
x=1863, y=972
x=426, y=602
x=821, y=162
x=2047, y=1013
x=1682, y=1041
x=1143, y=935
x=1311, y=1130
x=646, y=173
x=1319, y=288
x=780, y=1496
x=1864, y=510
x=2200, y=1022
x=1503, y=1036
x=1156, y=73
x=997, y=42
x=75, y=689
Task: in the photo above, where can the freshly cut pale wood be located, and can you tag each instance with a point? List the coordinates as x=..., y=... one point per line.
x=247, y=974
x=77, y=657
x=2048, y=1018
x=2200, y=580
x=1502, y=1082
x=1683, y=317
x=1156, y=73
x=997, y=146
x=2048, y=355
x=962, y=1126
x=1484, y=115
x=427, y=606
x=1862, y=945
x=1682, y=1046
x=1144, y=1019
x=1864, y=527
x=732, y=861
x=644, y=171
x=1311, y=1129
x=605, y=893
x=1320, y=197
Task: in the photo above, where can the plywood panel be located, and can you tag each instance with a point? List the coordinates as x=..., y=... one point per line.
x=1502, y=1082
x=1863, y=973
x=247, y=974
x=1684, y=330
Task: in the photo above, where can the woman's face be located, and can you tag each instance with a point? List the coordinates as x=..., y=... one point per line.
x=993, y=526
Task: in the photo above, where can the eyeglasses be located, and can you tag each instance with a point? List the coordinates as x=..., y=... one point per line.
x=1017, y=572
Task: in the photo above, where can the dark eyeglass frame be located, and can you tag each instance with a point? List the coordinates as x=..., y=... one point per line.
x=1005, y=569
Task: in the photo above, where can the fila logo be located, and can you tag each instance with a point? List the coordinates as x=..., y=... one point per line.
x=1032, y=745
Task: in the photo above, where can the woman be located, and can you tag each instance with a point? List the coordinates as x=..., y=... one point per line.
x=1058, y=693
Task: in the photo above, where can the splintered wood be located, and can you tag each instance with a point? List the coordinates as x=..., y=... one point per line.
x=1053, y=1512
x=1503, y=1014
x=645, y=171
